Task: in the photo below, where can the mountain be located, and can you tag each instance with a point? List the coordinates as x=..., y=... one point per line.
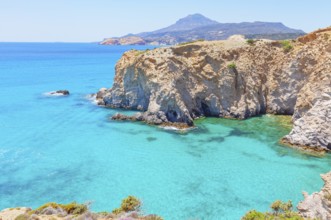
x=188, y=23
x=196, y=26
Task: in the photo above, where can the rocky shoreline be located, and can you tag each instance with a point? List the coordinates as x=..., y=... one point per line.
x=129, y=209
x=234, y=78
x=314, y=206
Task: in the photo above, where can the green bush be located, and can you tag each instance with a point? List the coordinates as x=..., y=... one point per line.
x=130, y=203
x=287, y=46
x=254, y=215
x=71, y=208
x=250, y=41
x=280, y=211
x=232, y=66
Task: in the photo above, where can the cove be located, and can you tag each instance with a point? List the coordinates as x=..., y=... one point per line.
x=66, y=149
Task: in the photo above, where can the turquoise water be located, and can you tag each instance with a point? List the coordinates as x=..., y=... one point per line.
x=66, y=149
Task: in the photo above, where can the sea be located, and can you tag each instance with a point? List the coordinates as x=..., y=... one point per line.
x=65, y=149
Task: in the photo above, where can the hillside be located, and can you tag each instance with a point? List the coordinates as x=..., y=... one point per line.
x=194, y=27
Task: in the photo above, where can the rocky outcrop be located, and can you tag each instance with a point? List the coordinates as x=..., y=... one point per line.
x=58, y=93
x=231, y=79
x=129, y=209
x=318, y=205
x=312, y=130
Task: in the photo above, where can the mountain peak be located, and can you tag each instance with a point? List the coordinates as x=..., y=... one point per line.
x=187, y=23
x=196, y=20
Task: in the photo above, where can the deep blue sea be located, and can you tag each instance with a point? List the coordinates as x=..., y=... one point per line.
x=66, y=149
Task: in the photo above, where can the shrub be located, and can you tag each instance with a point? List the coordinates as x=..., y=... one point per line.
x=254, y=215
x=276, y=206
x=287, y=46
x=71, y=208
x=250, y=42
x=74, y=208
x=280, y=211
x=130, y=203
x=232, y=66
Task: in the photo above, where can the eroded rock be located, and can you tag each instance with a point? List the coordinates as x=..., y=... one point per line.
x=230, y=79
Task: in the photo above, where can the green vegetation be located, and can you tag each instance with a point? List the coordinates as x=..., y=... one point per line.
x=250, y=42
x=280, y=211
x=71, y=208
x=191, y=42
x=287, y=46
x=22, y=217
x=130, y=203
x=139, y=52
x=232, y=66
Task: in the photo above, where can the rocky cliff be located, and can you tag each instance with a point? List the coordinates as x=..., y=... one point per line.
x=233, y=79
x=318, y=204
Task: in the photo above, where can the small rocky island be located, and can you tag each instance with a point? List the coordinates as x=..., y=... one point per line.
x=58, y=93
x=234, y=78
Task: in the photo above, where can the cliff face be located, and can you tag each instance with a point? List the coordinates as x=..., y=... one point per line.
x=232, y=79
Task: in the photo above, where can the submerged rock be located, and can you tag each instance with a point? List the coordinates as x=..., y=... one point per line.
x=231, y=79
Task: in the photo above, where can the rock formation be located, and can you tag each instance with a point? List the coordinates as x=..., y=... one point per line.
x=58, y=93
x=232, y=79
x=318, y=205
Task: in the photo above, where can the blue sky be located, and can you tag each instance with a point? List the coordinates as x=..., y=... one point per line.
x=93, y=20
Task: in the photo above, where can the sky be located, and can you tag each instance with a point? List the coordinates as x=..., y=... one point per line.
x=94, y=20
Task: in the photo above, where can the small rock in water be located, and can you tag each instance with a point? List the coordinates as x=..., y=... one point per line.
x=63, y=92
x=58, y=93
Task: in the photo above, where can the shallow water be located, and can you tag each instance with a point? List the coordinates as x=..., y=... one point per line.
x=66, y=149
